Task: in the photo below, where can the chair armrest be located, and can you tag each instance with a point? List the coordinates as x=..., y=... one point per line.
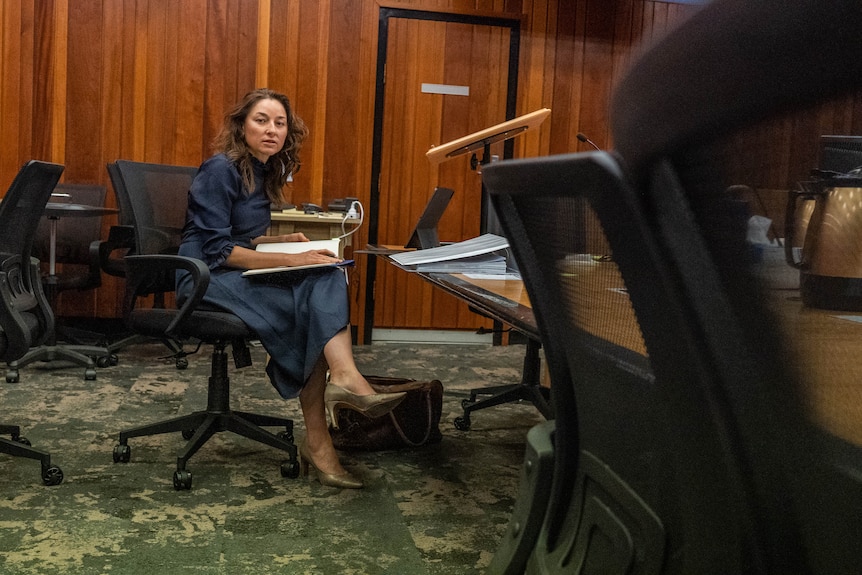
x=147, y=274
x=120, y=239
x=94, y=272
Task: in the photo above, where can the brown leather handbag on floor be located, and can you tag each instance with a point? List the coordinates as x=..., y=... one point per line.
x=414, y=422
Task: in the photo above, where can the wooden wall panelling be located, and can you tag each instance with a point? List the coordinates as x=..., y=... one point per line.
x=596, y=74
x=17, y=50
x=49, y=85
x=192, y=139
x=83, y=111
x=535, y=86
x=307, y=100
x=569, y=83
x=156, y=83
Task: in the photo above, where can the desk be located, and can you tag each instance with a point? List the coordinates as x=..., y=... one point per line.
x=505, y=301
x=826, y=350
x=50, y=351
x=321, y=226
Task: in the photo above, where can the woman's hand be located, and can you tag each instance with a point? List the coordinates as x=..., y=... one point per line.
x=312, y=257
x=244, y=258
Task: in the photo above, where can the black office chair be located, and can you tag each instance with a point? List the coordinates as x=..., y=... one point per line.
x=682, y=442
x=157, y=225
x=173, y=184
x=26, y=318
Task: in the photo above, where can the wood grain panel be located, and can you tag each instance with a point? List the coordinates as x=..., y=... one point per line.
x=84, y=82
x=83, y=114
x=13, y=50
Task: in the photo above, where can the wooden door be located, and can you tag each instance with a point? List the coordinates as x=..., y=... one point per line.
x=443, y=80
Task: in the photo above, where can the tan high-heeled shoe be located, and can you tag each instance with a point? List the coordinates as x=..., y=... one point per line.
x=343, y=480
x=372, y=406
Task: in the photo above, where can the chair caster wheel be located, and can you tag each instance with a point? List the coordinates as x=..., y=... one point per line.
x=182, y=363
x=122, y=453
x=90, y=374
x=182, y=479
x=22, y=440
x=107, y=360
x=12, y=376
x=286, y=435
x=462, y=423
x=53, y=475
x=290, y=469
x=188, y=434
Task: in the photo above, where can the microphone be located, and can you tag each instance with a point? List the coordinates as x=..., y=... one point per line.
x=586, y=140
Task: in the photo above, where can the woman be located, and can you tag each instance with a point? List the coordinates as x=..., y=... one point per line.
x=304, y=324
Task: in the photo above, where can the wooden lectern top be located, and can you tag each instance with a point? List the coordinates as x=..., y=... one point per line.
x=477, y=140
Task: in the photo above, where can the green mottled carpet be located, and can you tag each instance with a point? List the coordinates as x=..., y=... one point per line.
x=440, y=509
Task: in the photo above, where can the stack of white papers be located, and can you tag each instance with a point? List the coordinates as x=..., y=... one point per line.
x=490, y=264
x=470, y=256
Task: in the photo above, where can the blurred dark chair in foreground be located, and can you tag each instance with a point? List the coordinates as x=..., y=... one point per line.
x=683, y=441
x=25, y=316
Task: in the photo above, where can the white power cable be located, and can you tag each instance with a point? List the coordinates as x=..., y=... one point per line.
x=352, y=213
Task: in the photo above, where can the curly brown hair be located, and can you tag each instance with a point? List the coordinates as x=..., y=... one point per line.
x=231, y=142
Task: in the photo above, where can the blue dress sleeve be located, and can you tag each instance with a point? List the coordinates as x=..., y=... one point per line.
x=214, y=191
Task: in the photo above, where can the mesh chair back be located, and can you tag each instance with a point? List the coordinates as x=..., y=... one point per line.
x=22, y=206
x=24, y=312
x=600, y=290
x=673, y=435
x=156, y=195
x=124, y=218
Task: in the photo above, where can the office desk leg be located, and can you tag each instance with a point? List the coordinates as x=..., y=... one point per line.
x=528, y=389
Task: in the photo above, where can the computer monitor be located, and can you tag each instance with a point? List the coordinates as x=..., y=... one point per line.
x=424, y=235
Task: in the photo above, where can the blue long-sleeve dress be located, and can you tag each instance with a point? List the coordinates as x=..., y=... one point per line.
x=294, y=321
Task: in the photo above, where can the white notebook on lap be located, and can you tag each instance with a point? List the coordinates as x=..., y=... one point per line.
x=333, y=246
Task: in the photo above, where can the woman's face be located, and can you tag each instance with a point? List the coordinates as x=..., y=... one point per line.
x=265, y=129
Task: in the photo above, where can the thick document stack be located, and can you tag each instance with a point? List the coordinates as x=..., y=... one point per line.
x=470, y=256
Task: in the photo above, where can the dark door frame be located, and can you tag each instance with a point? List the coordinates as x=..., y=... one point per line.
x=513, y=23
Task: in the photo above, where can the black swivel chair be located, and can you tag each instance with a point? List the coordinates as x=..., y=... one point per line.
x=157, y=223
x=681, y=442
x=173, y=183
x=26, y=319
x=76, y=241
